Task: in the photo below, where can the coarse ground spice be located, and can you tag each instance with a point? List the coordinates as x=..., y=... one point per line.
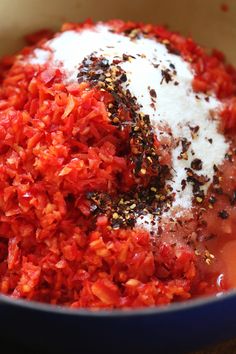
x=74, y=175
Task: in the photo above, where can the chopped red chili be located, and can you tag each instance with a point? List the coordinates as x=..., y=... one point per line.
x=73, y=175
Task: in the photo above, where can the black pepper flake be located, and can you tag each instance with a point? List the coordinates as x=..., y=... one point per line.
x=223, y=214
x=183, y=184
x=70, y=198
x=153, y=105
x=123, y=77
x=166, y=76
x=125, y=57
x=194, y=131
x=218, y=190
x=209, y=237
x=153, y=93
x=212, y=200
x=104, y=63
x=133, y=33
x=195, y=178
x=229, y=156
x=196, y=164
x=171, y=49
x=216, y=180
x=233, y=198
x=197, y=182
x=185, y=146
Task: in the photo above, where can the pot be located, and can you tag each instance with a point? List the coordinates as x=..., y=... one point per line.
x=173, y=329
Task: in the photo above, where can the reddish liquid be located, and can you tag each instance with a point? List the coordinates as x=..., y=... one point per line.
x=222, y=229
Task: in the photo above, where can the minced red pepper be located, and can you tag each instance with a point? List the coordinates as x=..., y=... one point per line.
x=60, y=154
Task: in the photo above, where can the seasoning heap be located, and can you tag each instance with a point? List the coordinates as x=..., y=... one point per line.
x=143, y=155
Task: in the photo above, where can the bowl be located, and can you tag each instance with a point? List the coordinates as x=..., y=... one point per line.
x=177, y=328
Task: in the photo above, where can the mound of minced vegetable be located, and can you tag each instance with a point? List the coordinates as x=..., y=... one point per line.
x=78, y=165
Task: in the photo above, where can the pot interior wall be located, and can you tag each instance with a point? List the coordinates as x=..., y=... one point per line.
x=202, y=19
